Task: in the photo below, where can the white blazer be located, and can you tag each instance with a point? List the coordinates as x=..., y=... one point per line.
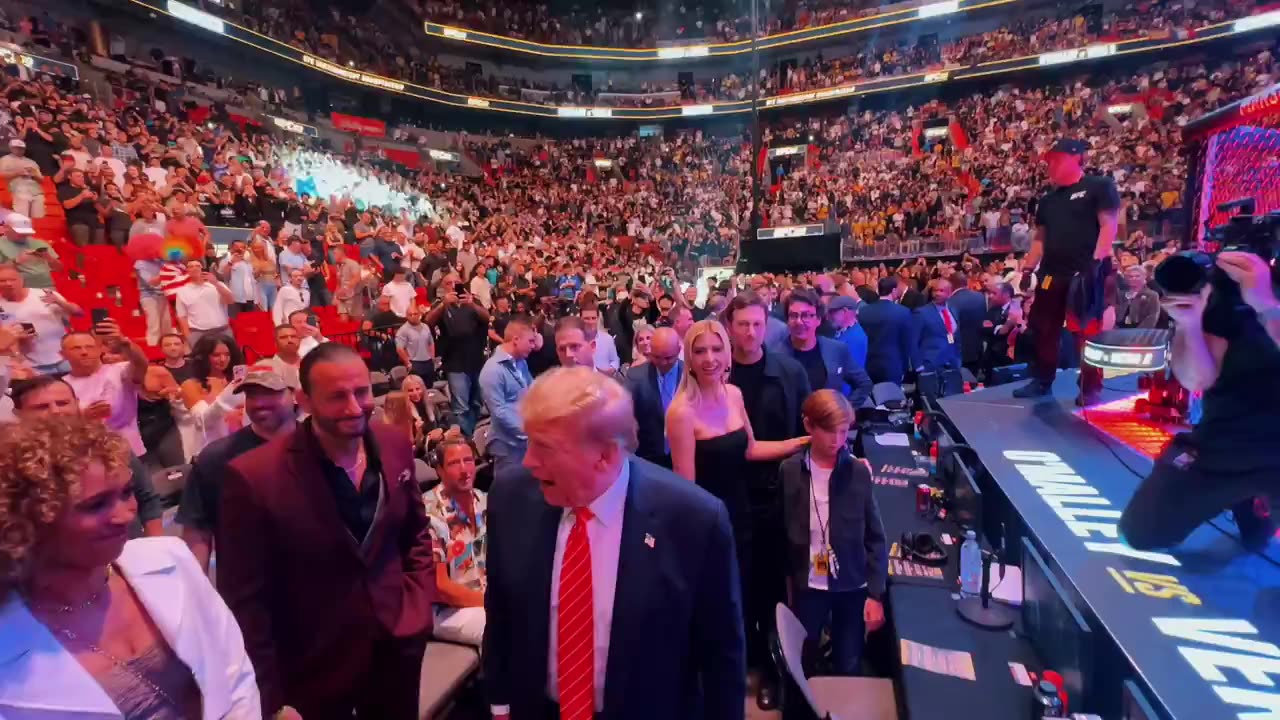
x=40, y=680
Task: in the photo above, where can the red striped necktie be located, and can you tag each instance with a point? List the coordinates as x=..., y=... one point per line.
x=575, y=623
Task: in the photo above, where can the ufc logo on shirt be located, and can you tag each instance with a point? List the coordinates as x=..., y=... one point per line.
x=1078, y=195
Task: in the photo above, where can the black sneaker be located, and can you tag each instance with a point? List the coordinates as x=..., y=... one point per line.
x=1088, y=399
x=1034, y=389
x=1253, y=518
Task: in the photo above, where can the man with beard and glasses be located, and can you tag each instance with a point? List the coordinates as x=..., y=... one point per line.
x=268, y=405
x=324, y=554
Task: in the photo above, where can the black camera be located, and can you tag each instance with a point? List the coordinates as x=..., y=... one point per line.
x=1187, y=272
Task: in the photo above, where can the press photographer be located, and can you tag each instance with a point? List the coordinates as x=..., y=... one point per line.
x=1227, y=345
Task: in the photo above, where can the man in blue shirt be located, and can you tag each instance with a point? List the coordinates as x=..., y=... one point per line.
x=503, y=381
x=292, y=258
x=842, y=313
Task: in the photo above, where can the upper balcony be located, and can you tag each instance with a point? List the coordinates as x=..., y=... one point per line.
x=726, y=37
x=1003, y=50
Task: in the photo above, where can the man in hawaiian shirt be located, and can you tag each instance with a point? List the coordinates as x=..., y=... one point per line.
x=456, y=513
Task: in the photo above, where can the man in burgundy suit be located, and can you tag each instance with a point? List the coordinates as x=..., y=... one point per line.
x=324, y=556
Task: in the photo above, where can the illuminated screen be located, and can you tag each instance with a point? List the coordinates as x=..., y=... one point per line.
x=1239, y=163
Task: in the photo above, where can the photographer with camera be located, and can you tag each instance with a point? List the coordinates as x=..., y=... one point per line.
x=1226, y=345
x=1076, y=224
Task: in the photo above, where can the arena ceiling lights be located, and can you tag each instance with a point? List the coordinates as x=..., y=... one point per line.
x=684, y=52
x=874, y=85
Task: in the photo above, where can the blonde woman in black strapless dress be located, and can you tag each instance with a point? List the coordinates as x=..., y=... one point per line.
x=710, y=433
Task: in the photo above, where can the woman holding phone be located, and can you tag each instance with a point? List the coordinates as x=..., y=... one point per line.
x=209, y=398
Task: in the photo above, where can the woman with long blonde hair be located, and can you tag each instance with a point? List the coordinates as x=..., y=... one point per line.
x=265, y=272
x=710, y=434
x=397, y=411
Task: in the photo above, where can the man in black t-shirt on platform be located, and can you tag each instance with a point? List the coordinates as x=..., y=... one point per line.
x=1076, y=225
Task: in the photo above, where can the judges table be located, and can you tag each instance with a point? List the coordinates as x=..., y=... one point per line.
x=922, y=610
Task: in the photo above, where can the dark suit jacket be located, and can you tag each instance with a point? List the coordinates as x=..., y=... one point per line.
x=854, y=529
x=309, y=598
x=844, y=374
x=651, y=419
x=932, y=349
x=676, y=648
x=1143, y=311
x=888, y=328
x=970, y=310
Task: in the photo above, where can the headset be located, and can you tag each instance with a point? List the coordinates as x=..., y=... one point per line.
x=435, y=456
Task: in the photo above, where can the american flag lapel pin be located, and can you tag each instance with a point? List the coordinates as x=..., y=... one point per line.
x=648, y=540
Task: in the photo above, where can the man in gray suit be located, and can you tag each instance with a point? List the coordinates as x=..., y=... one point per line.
x=1137, y=306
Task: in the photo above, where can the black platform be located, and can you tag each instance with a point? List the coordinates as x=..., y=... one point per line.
x=1198, y=625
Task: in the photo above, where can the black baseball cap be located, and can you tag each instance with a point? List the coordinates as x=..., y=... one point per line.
x=1068, y=146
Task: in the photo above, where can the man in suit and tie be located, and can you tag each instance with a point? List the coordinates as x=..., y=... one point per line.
x=937, y=341
x=324, y=555
x=1003, y=316
x=969, y=308
x=827, y=362
x=888, y=328
x=597, y=604
x=653, y=384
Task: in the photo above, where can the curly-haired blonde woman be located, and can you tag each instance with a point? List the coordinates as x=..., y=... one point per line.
x=95, y=626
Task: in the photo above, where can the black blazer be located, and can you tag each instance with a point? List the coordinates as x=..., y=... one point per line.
x=854, y=530
x=844, y=375
x=676, y=647
x=651, y=420
x=888, y=328
x=969, y=308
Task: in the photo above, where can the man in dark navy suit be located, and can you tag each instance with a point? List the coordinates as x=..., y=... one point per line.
x=888, y=328
x=969, y=308
x=653, y=385
x=613, y=584
x=937, y=340
x=827, y=362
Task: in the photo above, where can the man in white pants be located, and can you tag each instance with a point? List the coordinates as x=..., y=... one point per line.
x=456, y=513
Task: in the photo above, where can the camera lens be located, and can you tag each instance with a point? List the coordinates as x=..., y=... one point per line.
x=1185, y=273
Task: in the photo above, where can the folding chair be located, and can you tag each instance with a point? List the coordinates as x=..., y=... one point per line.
x=829, y=698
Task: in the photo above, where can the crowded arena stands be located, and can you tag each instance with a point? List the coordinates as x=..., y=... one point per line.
x=219, y=299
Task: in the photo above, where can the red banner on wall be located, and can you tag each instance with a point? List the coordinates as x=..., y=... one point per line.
x=369, y=127
x=408, y=158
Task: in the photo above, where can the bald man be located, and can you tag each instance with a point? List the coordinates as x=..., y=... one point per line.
x=653, y=384
x=589, y=555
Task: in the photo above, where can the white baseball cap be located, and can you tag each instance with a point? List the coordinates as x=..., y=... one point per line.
x=16, y=142
x=20, y=224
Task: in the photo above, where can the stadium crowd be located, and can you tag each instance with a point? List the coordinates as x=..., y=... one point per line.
x=367, y=42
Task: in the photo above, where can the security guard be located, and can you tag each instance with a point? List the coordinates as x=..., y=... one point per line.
x=1075, y=228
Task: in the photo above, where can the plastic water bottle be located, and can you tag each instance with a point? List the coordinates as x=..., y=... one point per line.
x=970, y=565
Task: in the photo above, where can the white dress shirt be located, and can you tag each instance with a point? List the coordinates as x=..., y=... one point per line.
x=606, y=353
x=604, y=532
